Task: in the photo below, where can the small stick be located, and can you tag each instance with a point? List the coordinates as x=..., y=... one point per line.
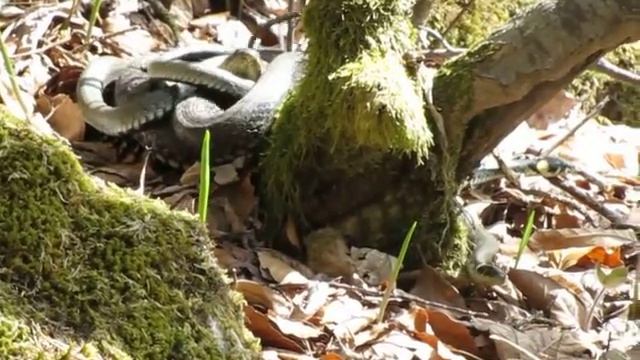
x=596, y=110
x=270, y=23
x=580, y=195
x=606, y=67
x=465, y=8
x=41, y=49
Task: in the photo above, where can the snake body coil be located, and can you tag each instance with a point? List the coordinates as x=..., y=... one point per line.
x=234, y=131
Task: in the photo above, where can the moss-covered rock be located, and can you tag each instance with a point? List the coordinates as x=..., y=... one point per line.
x=91, y=269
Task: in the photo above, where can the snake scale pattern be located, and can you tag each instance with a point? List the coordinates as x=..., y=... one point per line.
x=182, y=88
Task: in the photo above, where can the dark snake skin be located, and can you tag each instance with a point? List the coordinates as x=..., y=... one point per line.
x=149, y=101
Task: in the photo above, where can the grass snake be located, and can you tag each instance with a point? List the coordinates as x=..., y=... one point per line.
x=181, y=85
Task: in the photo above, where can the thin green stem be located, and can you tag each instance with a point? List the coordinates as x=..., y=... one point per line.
x=95, y=8
x=396, y=271
x=8, y=65
x=205, y=177
x=528, y=229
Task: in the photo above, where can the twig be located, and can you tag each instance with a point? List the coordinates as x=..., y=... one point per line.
x=290, y=28
x=583, y=197
x=274, y=21
x=596, y=110
x=74, y=7
x=452, y=49
x=41, y=49
x=402, y=296
x=105, y=37
x=464, y=9
x=567, y=201
x=606, y=67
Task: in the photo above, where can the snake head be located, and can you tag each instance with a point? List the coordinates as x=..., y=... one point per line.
x=550, y=166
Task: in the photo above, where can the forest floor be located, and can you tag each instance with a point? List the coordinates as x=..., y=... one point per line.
x=571, y=293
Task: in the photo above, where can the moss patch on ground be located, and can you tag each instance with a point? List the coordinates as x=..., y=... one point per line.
x=87, y=268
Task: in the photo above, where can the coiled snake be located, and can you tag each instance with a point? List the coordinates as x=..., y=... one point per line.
x=145, y=95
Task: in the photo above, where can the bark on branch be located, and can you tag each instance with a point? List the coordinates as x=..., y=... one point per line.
x=487, y=92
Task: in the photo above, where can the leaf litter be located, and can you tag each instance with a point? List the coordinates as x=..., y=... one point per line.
x=301, y=312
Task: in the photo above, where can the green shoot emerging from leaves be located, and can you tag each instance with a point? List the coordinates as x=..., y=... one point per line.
x=8, y=66
x=205, y=175
x=95, y=8
x=528, y=229
x=396, y=271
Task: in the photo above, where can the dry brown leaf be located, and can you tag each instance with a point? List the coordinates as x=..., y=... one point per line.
x=565, y=238
x=327, y=253
x=186, y=200
x=191, y=176
x=544, y=342
x=231, y=256
x=566, y=220
x=255, y=293
x=598, y=255
x=331, y=356
x=124, y=174
x=545, y=294
x=297, y=329
x=615, y=160
x=432, y=286
x=65, y=116
x=225, y=174
x=260, y=325
x=421, y=319
x=566, y=258
x=313, y=302
x=400, y=345
x=347, y=316
x=283, y=269
x=452, y=332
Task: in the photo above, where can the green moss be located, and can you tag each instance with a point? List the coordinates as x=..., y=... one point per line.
x=356, y=101
x=99, y=265
x=453, y=85
x=480, y=19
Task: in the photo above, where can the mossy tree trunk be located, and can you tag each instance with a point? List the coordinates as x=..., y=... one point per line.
x=354, y=147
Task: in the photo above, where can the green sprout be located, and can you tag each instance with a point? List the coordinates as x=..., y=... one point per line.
x=205, y=175
x=95, y=8
x=396, y=271
x=8, y=65
x=528, y=229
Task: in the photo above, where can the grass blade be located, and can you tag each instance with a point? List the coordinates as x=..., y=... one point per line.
x=205, y=177
x=528, y=229
x=396, y=271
